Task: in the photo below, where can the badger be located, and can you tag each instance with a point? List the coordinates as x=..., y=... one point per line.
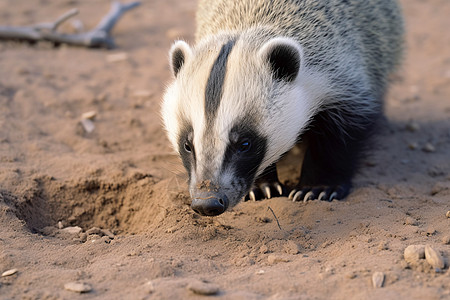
x=265, y=75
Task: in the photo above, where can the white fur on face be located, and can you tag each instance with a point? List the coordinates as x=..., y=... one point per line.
x=280, y=111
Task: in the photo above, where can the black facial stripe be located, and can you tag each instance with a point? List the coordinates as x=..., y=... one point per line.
x=188, y=159
x=246, y=164
x=214, y=85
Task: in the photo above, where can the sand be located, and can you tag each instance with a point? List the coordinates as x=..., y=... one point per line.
x=125, y=189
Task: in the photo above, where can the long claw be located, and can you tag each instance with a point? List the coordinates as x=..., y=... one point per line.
x=291, y=194
x=279, y=188
x=333, y=196
x=296, y=196
x=322, y=196
x=308, y=196
x=267, y=192
x=252, y=196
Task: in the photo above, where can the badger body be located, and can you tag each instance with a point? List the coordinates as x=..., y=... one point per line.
x=267, y=74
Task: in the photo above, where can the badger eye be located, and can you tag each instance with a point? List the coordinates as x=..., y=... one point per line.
x=187, y=147
x=243, y=146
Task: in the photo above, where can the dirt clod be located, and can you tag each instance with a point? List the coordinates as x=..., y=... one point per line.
x=78, y=287
x=203, y=288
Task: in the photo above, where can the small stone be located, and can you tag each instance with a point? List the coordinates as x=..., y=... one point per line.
x=88, y=125
x=260, y=272
x=90, y=115
x=9, y=272
x=446, y=239
x=273, y=259
x=72, y=229
x=434, y=258
x=412, y=126
x=413, y=253
x=410, y=221
x=263, y=249
x=448, y=214
x=148, y=287
x=428, y=148
x=117, y=57
x=60, y=225
x=203, y=288
x=378, y=279
x=78, y=287
x=172, y=229
x=413, y=146
x=291, y=247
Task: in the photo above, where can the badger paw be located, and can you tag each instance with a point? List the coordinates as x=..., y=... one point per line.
x=265, y=190
x=323, y=193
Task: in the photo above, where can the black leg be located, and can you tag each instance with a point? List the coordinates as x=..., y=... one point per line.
x=333, y=153
x=266, y=186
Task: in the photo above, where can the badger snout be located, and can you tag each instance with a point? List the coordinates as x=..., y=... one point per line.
x=210, y=205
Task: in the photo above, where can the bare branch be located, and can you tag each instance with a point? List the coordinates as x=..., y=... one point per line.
x=64, y=17
x=99, y=37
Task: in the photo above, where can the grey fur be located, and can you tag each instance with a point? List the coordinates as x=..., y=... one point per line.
x=369, y=31
x=343, y=52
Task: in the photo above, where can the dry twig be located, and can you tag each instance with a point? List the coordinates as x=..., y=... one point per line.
x=276, y=219
x=99, y=37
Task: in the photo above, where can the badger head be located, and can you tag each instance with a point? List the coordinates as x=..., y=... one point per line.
x=233, y=109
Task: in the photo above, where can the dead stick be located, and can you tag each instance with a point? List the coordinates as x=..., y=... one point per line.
x=100, y=36
x=276, y=219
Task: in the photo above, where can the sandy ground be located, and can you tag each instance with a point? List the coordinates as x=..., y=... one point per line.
x=124, y=177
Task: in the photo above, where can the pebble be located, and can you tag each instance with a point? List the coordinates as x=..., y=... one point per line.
x=413, y=253
x=378, y=279
x=203, y=288
x=448, y=214
x=88, y=125
x=410, y=221
x=60, y=225
x=446, y=239
x=413, y=146
x=412, y=126
x=9, y=272
x=428, y=148
x=72, y=229
x=78, y=287
x=291, y=247
x=117, y=57
x=90, y=115
x=434, y=258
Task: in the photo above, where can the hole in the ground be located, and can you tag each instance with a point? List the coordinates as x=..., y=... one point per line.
x=128, y=205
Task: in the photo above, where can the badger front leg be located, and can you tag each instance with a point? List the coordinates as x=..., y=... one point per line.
x=266, y=185
x=333, y=152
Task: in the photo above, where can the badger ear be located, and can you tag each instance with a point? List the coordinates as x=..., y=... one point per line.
x=284, y=56
x=178, y=54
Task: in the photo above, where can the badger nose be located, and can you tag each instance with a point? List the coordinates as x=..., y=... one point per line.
x=210, y=206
